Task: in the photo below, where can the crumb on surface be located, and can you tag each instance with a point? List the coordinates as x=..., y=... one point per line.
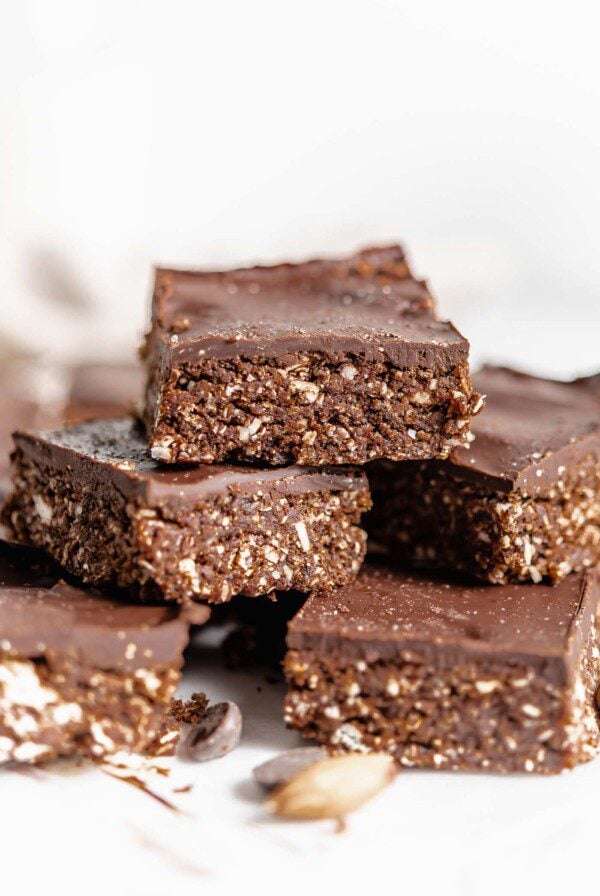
x=190, y=711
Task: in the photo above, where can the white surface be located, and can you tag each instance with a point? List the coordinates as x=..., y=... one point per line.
x=233, y=131
x=78, y=831
x=189, y=132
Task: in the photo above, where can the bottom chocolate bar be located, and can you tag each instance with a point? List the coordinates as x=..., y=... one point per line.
x=446, y=675
x=81, y=673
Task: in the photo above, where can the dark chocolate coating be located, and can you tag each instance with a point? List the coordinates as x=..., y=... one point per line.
x=529, y=429
x=369, y=304
x=388, y=611
x=39, y=612
x=114, y=452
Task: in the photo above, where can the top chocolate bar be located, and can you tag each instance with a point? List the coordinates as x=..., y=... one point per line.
x=326, y=362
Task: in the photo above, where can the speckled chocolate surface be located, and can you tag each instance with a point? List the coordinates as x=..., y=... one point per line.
x=317, y=362
x=92, y=498
x=530, y=429
x=369, y=303
x=444, y=674
x=115, y=451
x=388, y=610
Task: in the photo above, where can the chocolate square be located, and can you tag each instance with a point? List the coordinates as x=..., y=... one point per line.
x=443, y=674
x=326, y=362
x=92, y=498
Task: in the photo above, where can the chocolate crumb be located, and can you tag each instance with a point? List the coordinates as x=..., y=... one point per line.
x=191, y=711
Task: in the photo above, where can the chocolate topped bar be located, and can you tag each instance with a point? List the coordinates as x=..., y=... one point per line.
x=113, y=453
x=332, y=306
x=440, y=673
x=81, y=671
x=39, y=611
x=531, y=431
x=92, y=498
x=321, y=362
x=522, y=503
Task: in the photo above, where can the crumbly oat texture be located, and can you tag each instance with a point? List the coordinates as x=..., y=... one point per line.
x=81, y=673
x=60, y=707
x=92, y=499
x=189, y=711
x=319, y=363
x=429, y=517
x=447, y=676
x=523, y=504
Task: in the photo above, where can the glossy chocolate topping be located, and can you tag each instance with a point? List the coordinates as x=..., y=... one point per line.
x=368, y=303
x=115, y=451
x=530, y=430
x=392, y=610
x=40, y=612
x=102, y=452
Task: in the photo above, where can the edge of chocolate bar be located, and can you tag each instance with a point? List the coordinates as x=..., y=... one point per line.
x=388, y=610
x=39, y=611
x=529, y=432
x=93, y=448
x=367, y=303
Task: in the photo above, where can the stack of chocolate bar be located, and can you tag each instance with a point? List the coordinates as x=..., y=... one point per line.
x=275, y=397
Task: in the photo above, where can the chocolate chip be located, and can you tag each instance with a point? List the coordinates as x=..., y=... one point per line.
x=217, y=733
x=280, y=768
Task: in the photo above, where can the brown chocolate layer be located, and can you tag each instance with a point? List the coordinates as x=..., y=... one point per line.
x=386, y=611
x=40, y=612
x=91, y=498
x=114, y=452
x=441, y=674
x=530, y=429
x=368, y=303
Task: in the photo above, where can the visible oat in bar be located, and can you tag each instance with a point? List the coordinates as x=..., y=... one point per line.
x=326, y=362
x=82, y=673
x=90, y=496
x=443, y=675
x=523, y=504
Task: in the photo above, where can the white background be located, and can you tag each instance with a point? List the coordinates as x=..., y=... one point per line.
x=231, y=131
